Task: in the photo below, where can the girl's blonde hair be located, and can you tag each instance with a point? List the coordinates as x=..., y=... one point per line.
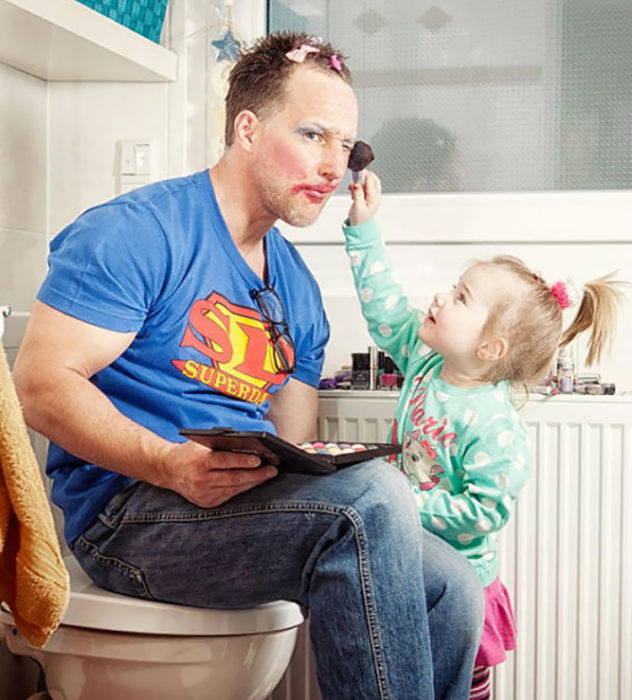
x=532, y=323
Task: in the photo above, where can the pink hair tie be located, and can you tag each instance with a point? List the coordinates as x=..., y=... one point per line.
x=558, y=290
x=334, y=62
x=568, y=294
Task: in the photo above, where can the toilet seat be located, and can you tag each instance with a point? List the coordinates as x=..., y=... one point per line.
x=113, y=646
x=94, y=608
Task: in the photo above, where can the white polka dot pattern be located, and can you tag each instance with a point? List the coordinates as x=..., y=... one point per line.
x=355, y=257
x=465, y=539
x=481, y=459
x=438, y=523
x=483, y=525
x=366, y=294
x=470, y=417
x=385, y=330
x=502, y=481
x=505, y=438
x=391, y=302
x=376, y=268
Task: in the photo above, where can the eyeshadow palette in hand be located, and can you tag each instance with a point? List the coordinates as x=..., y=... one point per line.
x=306, y=458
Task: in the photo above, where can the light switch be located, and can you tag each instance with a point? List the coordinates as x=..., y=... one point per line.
x=135, y=164
x=142, y=158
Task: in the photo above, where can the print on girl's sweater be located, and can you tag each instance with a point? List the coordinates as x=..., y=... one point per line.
x=419, y=461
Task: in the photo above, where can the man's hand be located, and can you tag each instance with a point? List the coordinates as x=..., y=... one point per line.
x=366, y=195
x=209, y=478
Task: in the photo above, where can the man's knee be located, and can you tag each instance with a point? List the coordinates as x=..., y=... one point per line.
x=388, y=496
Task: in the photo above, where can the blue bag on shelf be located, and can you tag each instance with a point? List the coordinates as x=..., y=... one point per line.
x=143, y=16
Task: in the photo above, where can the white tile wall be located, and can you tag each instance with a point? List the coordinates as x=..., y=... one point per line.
x=86, y=121
x=23, y=120
x=23, y=164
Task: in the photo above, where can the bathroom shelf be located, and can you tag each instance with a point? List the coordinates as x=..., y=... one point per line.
x=65, y=40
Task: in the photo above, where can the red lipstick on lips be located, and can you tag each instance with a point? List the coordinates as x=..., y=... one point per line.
x=316, y=193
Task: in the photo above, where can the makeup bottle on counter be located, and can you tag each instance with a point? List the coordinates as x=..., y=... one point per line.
x=565, y=371
x=388, y=378
x=373, y=367
x=359, y=370
x=381, y=359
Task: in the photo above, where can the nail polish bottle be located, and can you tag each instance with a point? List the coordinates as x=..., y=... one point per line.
x=388, y=379
x=360, y=370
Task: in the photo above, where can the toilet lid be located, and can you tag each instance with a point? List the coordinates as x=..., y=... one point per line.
x=95, y=608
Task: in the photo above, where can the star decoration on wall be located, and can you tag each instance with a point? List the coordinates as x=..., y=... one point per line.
x=228, y=47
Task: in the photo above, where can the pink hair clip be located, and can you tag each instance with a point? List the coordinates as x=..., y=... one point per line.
x=334, y=62
x=558, y=290
x=299, y=55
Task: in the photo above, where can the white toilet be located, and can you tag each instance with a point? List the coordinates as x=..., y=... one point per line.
x=111, y=647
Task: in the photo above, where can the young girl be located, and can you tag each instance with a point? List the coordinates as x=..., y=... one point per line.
x=465, y=450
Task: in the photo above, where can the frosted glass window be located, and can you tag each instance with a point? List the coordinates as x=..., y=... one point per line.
x=485, y=95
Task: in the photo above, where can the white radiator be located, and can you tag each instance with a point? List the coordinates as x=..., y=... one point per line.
x=563, y=556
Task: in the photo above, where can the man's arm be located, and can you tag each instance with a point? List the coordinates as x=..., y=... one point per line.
x=293, y=410
x=57, y=357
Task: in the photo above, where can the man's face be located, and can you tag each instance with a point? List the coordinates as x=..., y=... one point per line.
x=302, y=149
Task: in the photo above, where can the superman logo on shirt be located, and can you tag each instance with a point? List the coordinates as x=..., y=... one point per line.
x=236, y=344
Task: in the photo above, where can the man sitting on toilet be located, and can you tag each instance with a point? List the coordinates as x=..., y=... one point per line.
x=181, y=305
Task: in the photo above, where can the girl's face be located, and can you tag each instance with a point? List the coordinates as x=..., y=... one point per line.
x=455, y=320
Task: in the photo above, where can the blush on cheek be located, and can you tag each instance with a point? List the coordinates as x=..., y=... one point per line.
x=288, y=162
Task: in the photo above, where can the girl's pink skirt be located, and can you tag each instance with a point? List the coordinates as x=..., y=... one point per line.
x=499, y=629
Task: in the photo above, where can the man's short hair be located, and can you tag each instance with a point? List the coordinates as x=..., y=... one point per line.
x=258, y=79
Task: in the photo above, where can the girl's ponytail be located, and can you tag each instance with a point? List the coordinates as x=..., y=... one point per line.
x=597, y=312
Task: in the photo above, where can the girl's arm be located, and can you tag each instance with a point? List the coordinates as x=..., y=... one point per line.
x=392, y=323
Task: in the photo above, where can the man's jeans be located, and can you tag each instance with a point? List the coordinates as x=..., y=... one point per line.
x=386, y=620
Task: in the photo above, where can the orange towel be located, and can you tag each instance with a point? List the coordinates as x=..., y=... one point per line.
x=33, y=579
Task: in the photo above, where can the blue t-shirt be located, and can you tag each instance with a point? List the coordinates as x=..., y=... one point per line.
x=160, y=262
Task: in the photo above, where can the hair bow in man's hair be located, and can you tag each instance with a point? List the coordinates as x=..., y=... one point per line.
x=299, y=55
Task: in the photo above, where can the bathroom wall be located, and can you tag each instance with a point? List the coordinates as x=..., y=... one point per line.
x=23, y=192
x=23, y=174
